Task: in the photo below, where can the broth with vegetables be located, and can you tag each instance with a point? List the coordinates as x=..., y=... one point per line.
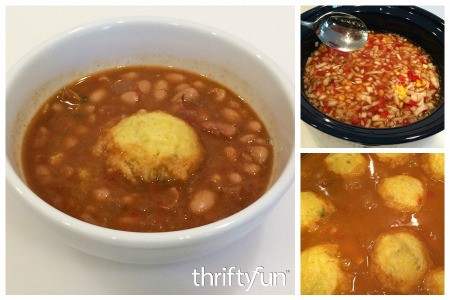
x=390, y=82
x=372, y=223
x=147, y=149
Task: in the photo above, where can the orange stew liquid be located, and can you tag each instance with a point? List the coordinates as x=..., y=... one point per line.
x=361, y=216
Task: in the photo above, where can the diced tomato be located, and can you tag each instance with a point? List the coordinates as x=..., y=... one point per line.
x=412, y=103
x=412, y=76
x=432, y=86
x=319, y=89
x=401, y=77
x=320, y=73
x=355, y=120
x=384, y=114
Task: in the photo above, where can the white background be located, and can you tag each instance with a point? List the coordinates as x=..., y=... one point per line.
x=38, y=263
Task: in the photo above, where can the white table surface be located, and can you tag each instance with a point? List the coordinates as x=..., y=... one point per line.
x=312, y=138
x=38, y=263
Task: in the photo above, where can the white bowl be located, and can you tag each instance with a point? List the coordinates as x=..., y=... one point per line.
x=134, y=41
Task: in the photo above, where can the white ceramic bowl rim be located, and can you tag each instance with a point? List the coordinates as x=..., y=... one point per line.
x=163, y=239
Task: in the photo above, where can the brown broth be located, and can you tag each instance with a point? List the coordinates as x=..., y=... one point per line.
x=361, y=216
x=60, y=167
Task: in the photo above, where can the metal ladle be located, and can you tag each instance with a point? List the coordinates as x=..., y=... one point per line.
x=340, y=31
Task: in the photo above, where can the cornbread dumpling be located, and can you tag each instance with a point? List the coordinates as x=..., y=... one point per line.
x=400, y=260
x=314, y=210
x=321, y=272
x=434, y=282
x=393, y=159
x=346, y=164
x=402, y=192
x=433, y=164
x=152, y=146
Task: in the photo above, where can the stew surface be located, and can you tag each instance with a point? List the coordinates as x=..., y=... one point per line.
x=110, y=149
x=390, y=82
x=356, y=216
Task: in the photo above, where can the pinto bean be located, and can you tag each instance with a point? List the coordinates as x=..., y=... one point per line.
x=186, y=95
x=219, y=94
x=198, y=84
x=161, y=85
x=101, y=194
x=57, y=107
x=175, y=77
x=129, y=97
x=131, y=75
x=144, y=86
x=231, y=153
x=248, y=138
x=160, y=90
x=43, y=171
x=181, y=87
x=98, y=95
x=251, y=168
x=259, y=154
x=220, y=128
x=202, y=201
x=41, y=137
x=254, y=126
x=56, y=159
x=235, y=177
x=216, y=178
x=230, y=115
x=70, y=142
x=160, y=95
x=128, y=199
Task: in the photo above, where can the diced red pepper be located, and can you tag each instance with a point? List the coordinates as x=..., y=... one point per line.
x=412, y=76
x=384, y=114
x=320, y=73
x=401, y=77
x=355, y=120
x=412, y=103
x=319, y=89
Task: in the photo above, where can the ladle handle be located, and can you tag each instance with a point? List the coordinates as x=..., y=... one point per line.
x=310, y=25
